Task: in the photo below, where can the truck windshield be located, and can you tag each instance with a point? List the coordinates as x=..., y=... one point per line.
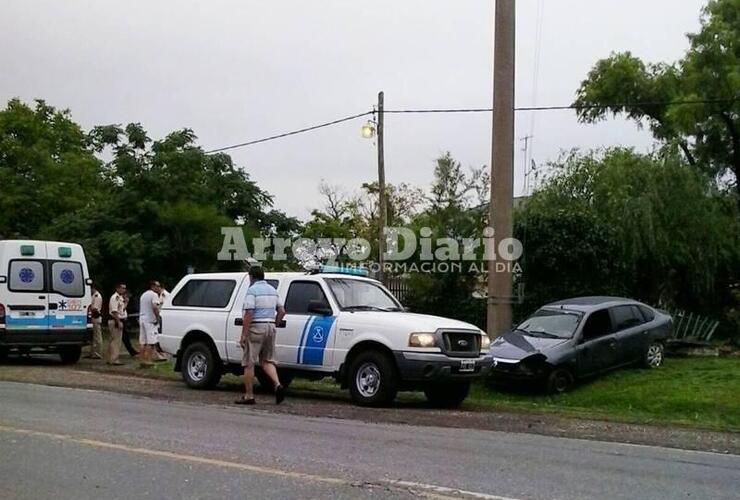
x=549, y=323
x=352, y=294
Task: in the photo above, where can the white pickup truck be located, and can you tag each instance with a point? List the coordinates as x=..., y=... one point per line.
x=340, y=325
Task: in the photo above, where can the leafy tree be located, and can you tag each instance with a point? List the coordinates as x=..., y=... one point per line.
x=708, y=133
x=46, y=169
x=621, y=223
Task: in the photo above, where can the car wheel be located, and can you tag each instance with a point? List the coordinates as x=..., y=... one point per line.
x=372, y=379
x=559, y=381
x=449, y=395
x=70, y=355
x=200, y=368
x=653, y=355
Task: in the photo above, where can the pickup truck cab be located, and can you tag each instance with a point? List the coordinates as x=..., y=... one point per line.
x=338, y=325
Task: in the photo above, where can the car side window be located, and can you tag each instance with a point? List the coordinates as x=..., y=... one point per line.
x=300, y=294
x=273, y=283
x=597, y=325
x=205, y=293
x=626, y=317
x=647, y=313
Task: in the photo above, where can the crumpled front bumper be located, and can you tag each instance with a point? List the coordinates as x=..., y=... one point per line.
x=422, y=367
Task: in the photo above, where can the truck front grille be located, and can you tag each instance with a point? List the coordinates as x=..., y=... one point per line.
x=461, y=344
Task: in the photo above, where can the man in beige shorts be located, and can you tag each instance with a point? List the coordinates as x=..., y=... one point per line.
x=262, y=309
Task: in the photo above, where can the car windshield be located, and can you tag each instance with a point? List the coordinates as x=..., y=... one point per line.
x=548, y=323
x=353, y=294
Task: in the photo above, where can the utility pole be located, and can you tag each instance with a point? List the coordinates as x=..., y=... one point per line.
x=499, y=315
x=382, y=204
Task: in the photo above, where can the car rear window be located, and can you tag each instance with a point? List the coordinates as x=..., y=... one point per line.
x=26, y=276
x=205, y=293
x=67, y=279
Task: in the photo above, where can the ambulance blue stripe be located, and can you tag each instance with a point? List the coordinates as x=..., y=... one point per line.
x=303, y=337
x=316, y=340
x=46, y=321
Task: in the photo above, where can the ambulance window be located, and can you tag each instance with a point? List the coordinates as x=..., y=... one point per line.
x=26, y=276
x=205, y=293
x=67, y=279
x=300, y=294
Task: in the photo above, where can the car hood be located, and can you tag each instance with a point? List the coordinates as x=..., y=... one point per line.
x=411, y=322
x=514, y=345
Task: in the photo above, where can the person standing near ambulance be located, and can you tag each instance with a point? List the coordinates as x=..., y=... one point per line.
x=149, y=323
x=117, y=311
x=96, y=315
x=262, y=309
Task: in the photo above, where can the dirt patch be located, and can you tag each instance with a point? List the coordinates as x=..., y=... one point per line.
x=167, y=386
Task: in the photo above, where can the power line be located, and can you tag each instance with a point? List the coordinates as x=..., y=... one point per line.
x=568, y=107
x=294, y=132
x=472, y=110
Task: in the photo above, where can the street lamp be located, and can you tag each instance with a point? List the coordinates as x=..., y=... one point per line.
x=368, y=130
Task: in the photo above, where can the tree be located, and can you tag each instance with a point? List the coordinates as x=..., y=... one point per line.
x=708, y=132
x=46, y=168
x=621, y=223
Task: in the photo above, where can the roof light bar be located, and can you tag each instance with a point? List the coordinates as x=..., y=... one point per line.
x=354, y=271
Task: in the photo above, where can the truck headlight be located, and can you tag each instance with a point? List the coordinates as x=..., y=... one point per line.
x=485, y=342
x=422, y=339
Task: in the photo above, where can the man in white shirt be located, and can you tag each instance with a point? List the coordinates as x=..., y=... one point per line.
x=149, y=322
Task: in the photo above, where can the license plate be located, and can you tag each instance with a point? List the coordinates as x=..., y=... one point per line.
x=467, y=365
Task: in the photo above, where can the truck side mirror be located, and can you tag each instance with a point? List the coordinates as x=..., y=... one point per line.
x=319, y=307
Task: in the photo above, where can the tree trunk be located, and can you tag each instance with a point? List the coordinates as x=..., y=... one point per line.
x=735, y=162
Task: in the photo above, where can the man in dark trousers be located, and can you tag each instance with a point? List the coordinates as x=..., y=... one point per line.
x=262, y=309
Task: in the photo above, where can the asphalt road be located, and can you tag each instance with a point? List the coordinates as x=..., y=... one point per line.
x=69, y=443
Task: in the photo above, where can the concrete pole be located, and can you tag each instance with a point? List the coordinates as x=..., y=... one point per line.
x=382, y=202
x=502, y=163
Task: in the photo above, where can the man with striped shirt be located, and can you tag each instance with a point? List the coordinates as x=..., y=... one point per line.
x=262, y=309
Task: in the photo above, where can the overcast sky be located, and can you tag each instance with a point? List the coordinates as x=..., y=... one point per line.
x=241, y=70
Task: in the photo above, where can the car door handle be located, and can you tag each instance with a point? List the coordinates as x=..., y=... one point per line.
x=52, y=306
x=239, y=322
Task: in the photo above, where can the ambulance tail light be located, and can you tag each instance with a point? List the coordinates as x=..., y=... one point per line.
x=2, y=317
x=89, y=314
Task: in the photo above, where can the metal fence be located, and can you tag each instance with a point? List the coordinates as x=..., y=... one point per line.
x=690, y=326
x=398, y=287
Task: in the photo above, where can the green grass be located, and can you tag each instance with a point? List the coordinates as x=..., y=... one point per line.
x=695, y=392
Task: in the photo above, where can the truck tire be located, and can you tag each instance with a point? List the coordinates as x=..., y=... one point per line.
x=200, y=368
x=70, y=355
x=372, y=379
x=3, y=353
x=447, y=395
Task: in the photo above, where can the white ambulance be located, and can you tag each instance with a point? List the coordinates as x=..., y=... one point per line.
x=44, y=298
x=338, y=325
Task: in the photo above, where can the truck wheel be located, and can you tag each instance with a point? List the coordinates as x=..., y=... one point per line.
x=70, y=355
x=449, y=395
x=653, y=356
x=3, y=353
x=559, y=381
x=372, y=379
x=199, y=366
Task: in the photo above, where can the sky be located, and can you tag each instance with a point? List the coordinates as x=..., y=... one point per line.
x=234, y=71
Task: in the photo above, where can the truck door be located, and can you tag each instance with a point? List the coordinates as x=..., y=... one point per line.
x=27, y=303
x=304, y=341
x=67, y=291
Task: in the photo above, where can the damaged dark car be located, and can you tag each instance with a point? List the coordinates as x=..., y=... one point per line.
x=581, y=337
